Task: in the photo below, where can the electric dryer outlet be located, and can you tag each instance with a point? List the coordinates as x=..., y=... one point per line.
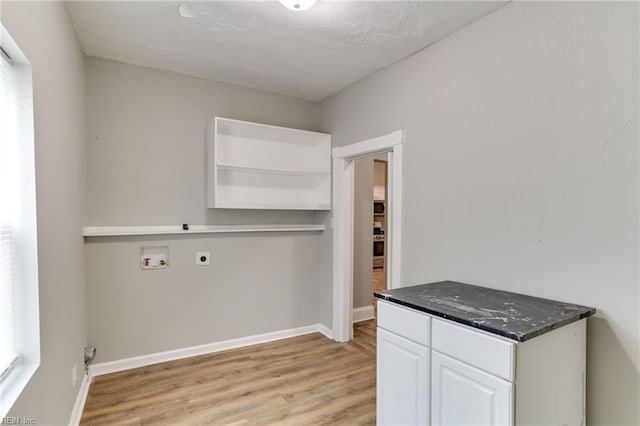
x=203, y=258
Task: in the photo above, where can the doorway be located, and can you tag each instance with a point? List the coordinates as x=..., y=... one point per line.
x=370, y=233
x=343, y=226
x=381, y=232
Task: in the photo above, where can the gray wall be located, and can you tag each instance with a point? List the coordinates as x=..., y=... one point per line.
x=44, y=33
x=521, y=168
x=146, y=166
x=146, y=144
x=362, y=232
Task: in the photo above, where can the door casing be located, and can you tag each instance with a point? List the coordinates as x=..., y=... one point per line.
x=343, y=195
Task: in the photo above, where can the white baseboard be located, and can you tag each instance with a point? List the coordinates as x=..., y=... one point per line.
x=144, y=360
x=326, y=331
x=362, y=314
x=78, y=407
x=155, y=358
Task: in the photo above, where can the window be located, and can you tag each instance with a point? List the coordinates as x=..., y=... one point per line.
x=19, y=317
x=8, y=351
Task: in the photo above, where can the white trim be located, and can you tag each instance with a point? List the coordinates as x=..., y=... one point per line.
x=380, y=144
x=394, y=240
x=343, y=175
x=144, y=360
x=363, y=314
x=326, y=331
x=25, y=244
x=13, y=385
x=342, y=248
x=155, y=358
x=271, y=126
x=78, y=407
x=107, y=231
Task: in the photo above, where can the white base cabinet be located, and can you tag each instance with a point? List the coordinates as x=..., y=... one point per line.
x=433, y=371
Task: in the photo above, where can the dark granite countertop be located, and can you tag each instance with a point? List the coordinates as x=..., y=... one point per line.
x=516, y=316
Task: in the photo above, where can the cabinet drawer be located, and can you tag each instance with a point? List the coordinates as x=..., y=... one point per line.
x=491, y=354
x=404, y=322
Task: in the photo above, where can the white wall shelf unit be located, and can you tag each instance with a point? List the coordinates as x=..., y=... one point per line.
x=258, y=166
x=114, y=231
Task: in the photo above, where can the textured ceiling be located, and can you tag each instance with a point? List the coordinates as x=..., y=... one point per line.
x=310, y=54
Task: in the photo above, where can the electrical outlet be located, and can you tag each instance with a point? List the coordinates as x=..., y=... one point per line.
x=203, y=258
x=74, y=377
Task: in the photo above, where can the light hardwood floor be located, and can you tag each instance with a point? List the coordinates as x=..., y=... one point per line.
x=379, y=282
x=379, y=279
x=306, y=380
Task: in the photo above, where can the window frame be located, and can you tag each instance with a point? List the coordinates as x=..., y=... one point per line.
x=25, y=234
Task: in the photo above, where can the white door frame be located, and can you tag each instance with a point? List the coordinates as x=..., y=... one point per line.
x=343, y=180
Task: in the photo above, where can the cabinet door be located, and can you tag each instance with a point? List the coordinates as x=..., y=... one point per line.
x=403, y=381
x=464, y=395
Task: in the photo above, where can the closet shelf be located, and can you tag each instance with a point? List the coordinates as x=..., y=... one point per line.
x=114, y=231
x=258, y=166
x=266, y=205
x=271, y=171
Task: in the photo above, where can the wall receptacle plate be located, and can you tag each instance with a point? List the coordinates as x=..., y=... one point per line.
x=203, y=258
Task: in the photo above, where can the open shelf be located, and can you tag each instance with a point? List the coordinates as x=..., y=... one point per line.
x=258, y=166
x=286, y=172
x=112, y=231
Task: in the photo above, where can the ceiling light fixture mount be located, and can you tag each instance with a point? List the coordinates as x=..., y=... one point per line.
x=298, y=5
